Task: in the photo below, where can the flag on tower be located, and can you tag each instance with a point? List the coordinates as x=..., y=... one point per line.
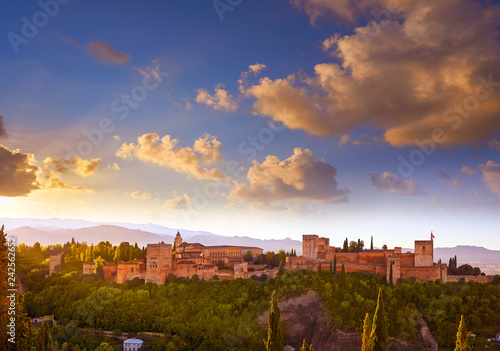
x=432, y=236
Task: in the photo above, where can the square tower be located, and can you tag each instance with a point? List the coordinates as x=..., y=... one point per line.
x=424, y=253
x=159, y=263
x=310, y=246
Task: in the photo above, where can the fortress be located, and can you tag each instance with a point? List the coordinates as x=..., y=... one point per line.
x=318, y=254
x=182, y=260
x=189, y=259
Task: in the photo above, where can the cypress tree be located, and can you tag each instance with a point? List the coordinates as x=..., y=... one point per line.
x=331, y=267
x=391, y=279
x=24, y=329
x=275, y=341
x=462, y=344
x=367, y=325
x=343, y=268
x=346, y=245
x=334, y=264
x=378, y=336
x=358, y=249
x=306, y=347
x=44, y=339
x=3, y=288
x=371, y=244
x=319, y=267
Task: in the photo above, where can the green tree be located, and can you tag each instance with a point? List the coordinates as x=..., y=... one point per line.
x=367, y=326
x=44, y=339
x=3, y=288
x=306, y=347
x=248, y=257
x=334, y=264
x=275, y=341
x=346, y=245
x=104, y=346
x=99, y=268
x=462, y=343
x=379, y=335
x=371, y=244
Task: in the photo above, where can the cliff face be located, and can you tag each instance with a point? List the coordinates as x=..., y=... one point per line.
x=304, y=317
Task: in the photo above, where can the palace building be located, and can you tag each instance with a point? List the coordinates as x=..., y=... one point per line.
x=318, y=254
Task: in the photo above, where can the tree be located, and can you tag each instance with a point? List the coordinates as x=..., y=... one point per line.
x=24, y=329
x=343, y=268
x=346, y=245
x=248, y=257
x=391, y=278
x=99, y=268
x=367, y=325
x=104, y=346
x=371, y=244
x=334, y=264
x=3, y=288
x=462, y=343
x=379, y=335
x=44, y=339
x=275, y=341
x=384, y=247
x=306, y=347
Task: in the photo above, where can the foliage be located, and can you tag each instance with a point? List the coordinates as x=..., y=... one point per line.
x=275, y=341
x=379, y=335
x=367, y=326
x=44, y=339
x=306, y=347
x=462, y=344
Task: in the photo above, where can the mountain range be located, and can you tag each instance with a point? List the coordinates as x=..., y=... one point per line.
x=53, y=231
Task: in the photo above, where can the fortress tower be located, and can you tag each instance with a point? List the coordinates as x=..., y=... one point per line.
x=159, y=262
x=178, y=241
x=310, y=246
x=424, y=253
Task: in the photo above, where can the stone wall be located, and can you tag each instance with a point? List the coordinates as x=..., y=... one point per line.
x=470, y=278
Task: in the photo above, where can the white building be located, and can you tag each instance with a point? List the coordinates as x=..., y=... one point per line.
x=132, y=344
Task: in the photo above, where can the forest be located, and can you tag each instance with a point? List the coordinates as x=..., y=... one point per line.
x=194, y=314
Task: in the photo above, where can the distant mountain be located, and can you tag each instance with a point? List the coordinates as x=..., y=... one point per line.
x=113, y=234
x=467, y=254
x=268, y=244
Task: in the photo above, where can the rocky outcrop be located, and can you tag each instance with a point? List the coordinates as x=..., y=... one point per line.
x=304, y=317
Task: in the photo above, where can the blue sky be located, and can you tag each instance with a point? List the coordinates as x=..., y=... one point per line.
x=333, y=96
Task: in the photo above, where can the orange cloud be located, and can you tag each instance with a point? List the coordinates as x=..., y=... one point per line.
x=220, y=101
x=165, y=152
x=103, y=52
x=3, y=132
x=138, y=195
x=387, y=183
x=53, y=181
x=81, y=167
x=410, y=76
x=178, y=202
x=18, y=174
x=491, y=176
x=299, y=177
x=468, y=170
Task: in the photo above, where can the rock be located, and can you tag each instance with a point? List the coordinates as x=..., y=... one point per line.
x=304, y=318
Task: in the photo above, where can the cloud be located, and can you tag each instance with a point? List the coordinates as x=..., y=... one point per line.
x=3, y=132
x=178, y=202
x=253, y=70
x=450, y=182
x=407, y=76
x=165, y=152
x=491, y=176
x=299, y=177
x=494, y=144
x=365, y=139
x=113, y=167
x=387, y=183
x=79, y=166
x=220, y=101
x=53, y=181
x=138, y=195
x=103, y=52
x=18, y=174
x=468, y=170
x=188, y=106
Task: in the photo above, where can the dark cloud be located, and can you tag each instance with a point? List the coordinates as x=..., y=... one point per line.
x=18, y=177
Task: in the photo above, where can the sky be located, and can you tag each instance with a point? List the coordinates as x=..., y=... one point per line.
x=269, y=119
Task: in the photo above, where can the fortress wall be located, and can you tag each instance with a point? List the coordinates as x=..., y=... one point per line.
x=406, y=259
x=421, y=273
x=347, y=257
x=470, y=278
x=372, y=257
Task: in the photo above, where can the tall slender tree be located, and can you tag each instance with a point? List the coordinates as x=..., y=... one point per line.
x=391, y=278
x=462, y=343
x=334, y=264
x=371, y=244
x=379, y=336
x=367, y=326
x=3, y=288
x=44, y=339
x=275, y=341
x=346, y=245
